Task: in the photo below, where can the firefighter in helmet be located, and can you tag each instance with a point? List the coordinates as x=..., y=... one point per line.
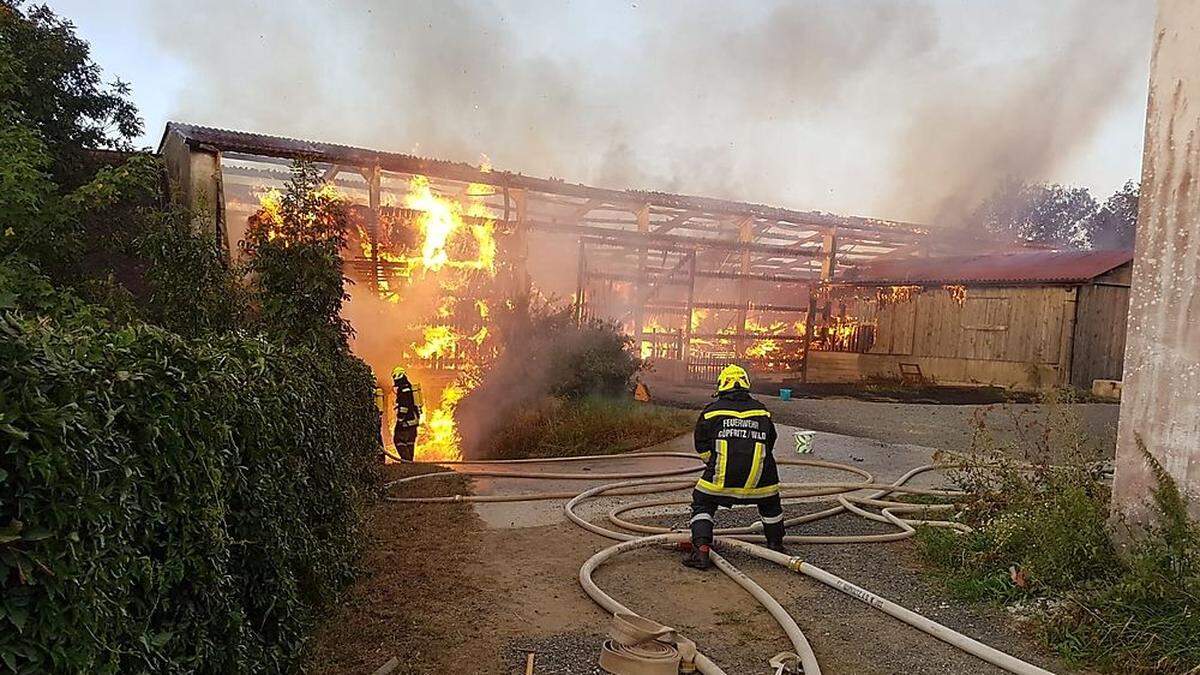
x=408, y=414
x=735, y=438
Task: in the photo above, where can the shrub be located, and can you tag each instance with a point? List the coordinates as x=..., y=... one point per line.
x=169, y=503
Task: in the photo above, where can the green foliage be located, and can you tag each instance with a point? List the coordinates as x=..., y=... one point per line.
x=189, y=287
x=294, y=246
x=169, y=504
x=24, y=186
x=1040, y=535
x=181, y=479
x=592, y=425
x=49, y=81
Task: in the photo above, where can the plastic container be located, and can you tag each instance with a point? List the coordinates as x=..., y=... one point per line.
x=804, y=441
x=785, y=394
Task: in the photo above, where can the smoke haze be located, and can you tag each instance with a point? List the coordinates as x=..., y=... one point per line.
x=901, y=109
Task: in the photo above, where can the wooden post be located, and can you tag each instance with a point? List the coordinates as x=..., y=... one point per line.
x=520, y=247
x=643, y=228
x=745, y=234
x=828, y=269
x=685, y=348
x=580, y=282
x=373, y=199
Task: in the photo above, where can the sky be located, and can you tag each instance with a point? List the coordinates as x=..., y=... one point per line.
x=904, y=109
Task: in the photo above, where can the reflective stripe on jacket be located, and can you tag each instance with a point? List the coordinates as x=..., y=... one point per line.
x=735, y=437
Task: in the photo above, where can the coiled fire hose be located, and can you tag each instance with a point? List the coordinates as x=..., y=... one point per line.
x=659, y=649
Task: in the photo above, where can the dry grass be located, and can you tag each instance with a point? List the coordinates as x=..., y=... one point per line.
x=587, y=426
x=411, y=572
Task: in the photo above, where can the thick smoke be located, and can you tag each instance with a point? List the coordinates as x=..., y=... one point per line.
x=902, y=109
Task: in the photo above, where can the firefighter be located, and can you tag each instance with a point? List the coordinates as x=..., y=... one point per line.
x=408, y=414
x=735, y=438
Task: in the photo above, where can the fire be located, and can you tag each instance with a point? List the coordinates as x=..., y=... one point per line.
x=440, y=341
x=438, y=439
x=890, y=295
x=767, y=347
x=957, y=293
x=438, y=254
x=648, y=346
x=442, y=219
x=762, y=348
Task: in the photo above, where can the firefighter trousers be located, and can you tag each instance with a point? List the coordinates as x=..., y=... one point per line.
x=704, y=507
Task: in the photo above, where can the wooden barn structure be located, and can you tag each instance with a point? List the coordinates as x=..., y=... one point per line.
x=696, y=281
x=1026, y=319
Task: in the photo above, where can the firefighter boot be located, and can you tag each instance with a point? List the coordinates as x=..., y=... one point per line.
x=698, y=559
x=774, y=533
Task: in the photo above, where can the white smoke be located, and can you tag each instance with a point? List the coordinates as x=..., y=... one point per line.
x=901, y=108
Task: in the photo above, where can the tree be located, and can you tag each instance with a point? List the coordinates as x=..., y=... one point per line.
x=293, y=244
x=1043, y=213
x=1115, y=224
x=49, y=82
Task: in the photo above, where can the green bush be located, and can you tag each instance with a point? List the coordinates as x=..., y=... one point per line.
x=169, y=504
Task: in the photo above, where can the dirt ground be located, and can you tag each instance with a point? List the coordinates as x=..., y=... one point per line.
x=941, y=426
x=446, y=594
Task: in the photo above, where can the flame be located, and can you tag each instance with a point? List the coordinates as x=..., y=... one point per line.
x=453, y=247
x=441, y=218
x=762, y=348
x=890, y=295
x=440, y=341
x=958, y=293
x=438, y=439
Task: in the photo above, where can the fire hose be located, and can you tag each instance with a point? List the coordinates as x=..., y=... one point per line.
x=643, y=647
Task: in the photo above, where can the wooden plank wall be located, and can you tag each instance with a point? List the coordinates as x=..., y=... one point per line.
x=992, y=324
x=1099, y=334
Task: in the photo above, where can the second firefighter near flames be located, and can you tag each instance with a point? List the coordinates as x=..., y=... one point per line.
x=735, y=437
x=408, y=414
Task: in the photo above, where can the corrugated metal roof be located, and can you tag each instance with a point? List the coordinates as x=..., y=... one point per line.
x=1017, y=268
x=292, y=148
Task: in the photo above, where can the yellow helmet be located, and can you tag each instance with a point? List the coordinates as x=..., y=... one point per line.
x=733, y=377
x=397, y=372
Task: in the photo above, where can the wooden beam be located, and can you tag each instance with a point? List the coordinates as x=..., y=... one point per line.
x=678, y=220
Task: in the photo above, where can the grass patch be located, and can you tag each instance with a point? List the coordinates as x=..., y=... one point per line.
x=592, y=425
x=1040, y=539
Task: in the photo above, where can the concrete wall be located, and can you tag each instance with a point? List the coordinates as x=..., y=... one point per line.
x=1161, y=397
x=195, y=179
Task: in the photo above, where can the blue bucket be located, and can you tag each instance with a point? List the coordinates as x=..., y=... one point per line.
x=785, y=394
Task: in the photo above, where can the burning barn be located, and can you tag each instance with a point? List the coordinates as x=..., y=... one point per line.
x=437, y=247
x=1026, y=319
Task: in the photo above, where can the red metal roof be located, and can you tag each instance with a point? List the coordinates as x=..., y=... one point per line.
x=1016, y=267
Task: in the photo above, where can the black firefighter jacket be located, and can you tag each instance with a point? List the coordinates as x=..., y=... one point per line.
x=735, y=437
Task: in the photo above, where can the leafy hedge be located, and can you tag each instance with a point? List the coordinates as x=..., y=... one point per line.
x=169, y=503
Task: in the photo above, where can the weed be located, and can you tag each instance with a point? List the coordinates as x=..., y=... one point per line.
x=1039, y=533
x=593, y=425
